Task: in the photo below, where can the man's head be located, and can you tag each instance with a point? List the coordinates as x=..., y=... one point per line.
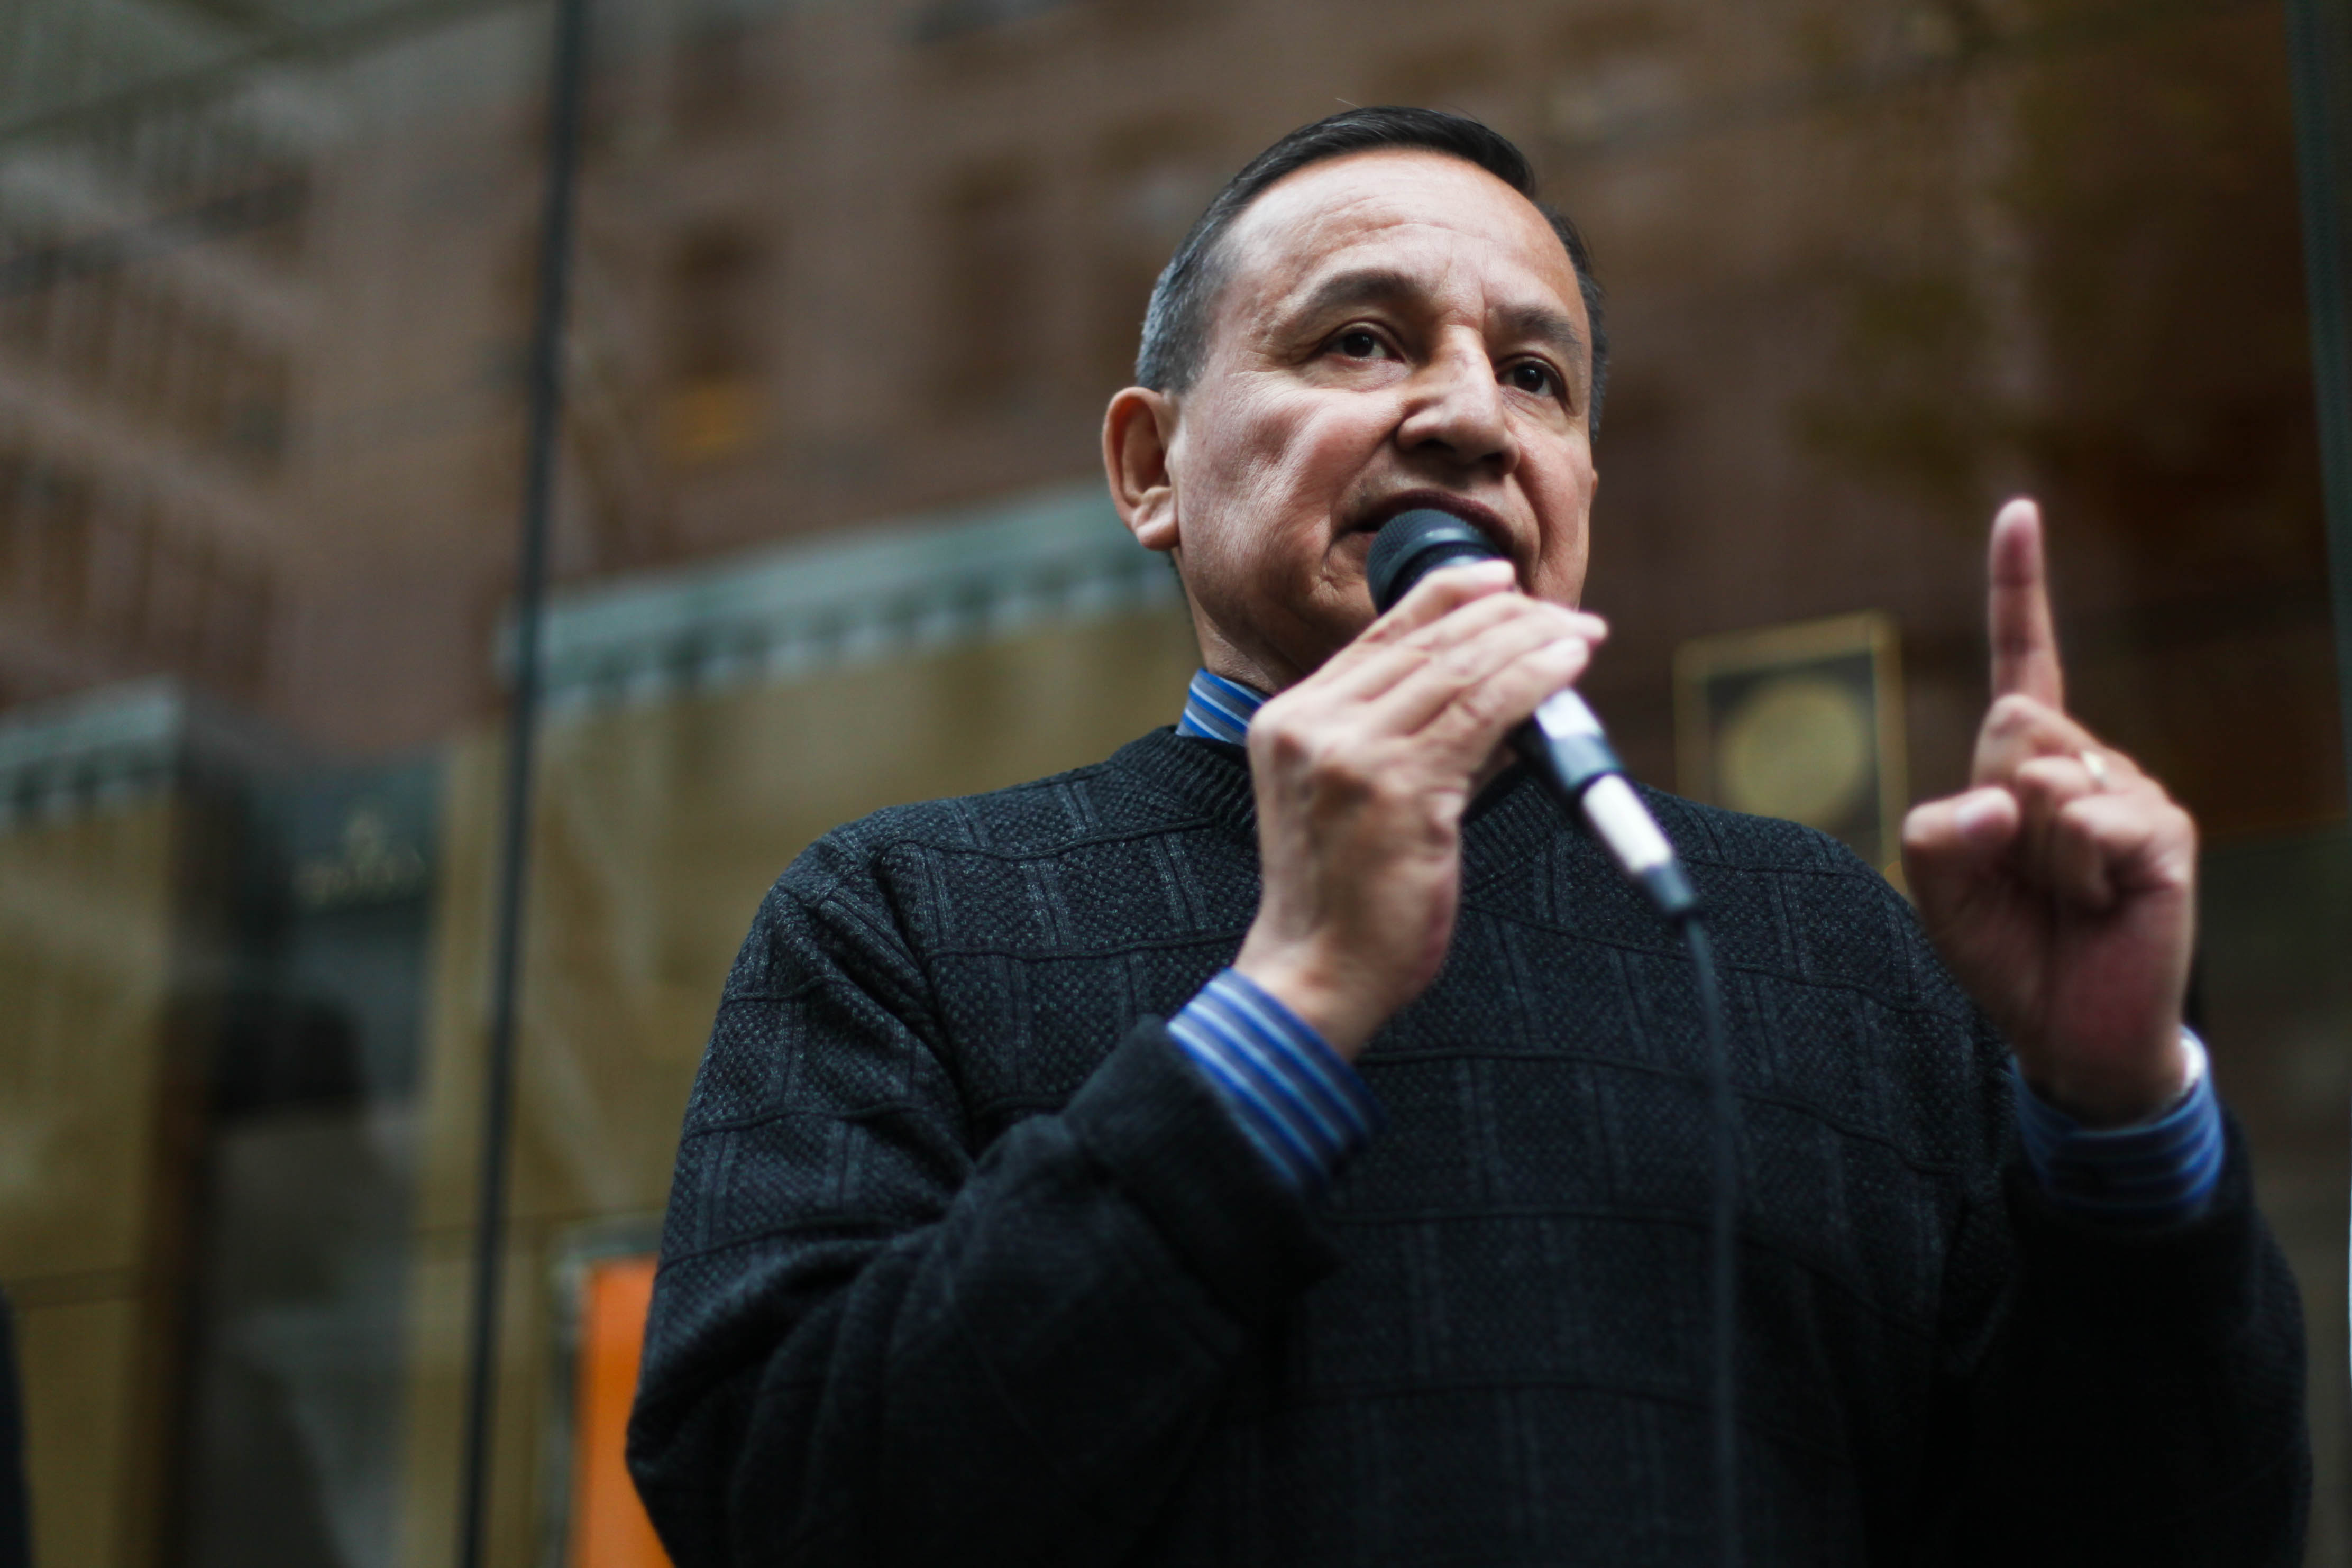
x=1375, y=314
x=1176, y=326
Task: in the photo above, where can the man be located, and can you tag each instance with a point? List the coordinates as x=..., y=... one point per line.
x=1390, y=1245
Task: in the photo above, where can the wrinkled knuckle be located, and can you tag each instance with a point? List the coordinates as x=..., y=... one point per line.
x=1562, y=621
x=1460, y=668
x=1280, y=737
x=1479, y=708
x=2011, y=715
x=2043, y=774
x=1341, y=767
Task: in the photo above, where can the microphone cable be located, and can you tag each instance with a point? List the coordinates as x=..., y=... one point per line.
x=1722, y=1236
x=1563, y=743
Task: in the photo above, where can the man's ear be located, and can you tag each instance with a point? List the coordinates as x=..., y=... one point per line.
x=1139, y=430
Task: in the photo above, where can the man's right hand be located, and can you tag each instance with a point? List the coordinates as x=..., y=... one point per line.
x=1362, y=772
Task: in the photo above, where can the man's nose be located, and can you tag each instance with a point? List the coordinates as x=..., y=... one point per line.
x=1458, y=410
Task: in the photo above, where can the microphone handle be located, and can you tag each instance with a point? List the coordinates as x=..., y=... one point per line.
x=1564, y=744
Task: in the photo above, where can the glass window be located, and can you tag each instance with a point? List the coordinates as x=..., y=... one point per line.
x=849, y=286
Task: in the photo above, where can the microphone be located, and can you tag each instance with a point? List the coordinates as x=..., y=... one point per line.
x=1563, y=742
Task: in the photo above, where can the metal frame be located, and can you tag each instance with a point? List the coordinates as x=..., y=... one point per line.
x=566, y=68
x=2319, y=52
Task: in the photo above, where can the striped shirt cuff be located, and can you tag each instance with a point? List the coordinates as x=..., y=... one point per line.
x=2154, y=1171
x=1298, y=1102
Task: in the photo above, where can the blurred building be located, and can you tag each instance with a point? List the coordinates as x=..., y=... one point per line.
x=841, y=263
x=854, y=282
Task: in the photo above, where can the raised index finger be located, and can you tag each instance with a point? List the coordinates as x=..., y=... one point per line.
x=2024, y=643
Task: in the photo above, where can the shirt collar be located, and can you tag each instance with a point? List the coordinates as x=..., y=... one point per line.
x=1218, y=709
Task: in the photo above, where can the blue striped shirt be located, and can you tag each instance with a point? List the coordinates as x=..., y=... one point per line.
x=2149, y=1171
x=1309, y=1111
x=1297, y=1099
x=1218, y=709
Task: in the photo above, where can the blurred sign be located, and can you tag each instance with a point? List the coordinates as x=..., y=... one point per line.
x=1802, y=721
x=711, y=417
x=370, y=865
x=608, y=1525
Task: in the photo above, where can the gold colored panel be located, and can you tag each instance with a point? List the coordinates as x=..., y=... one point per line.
x=81, y=1364
x=659, y=829
x=96, y=939
x=440, y=1286
x=88, y=911
x=1802, y=721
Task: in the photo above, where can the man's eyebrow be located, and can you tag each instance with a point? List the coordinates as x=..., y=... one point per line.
x=1541, y=324
x=1358, y=286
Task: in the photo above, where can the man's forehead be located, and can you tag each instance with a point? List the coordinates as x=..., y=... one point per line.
x=1324, y=218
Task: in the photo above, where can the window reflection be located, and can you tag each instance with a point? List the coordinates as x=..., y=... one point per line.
x=853, y=284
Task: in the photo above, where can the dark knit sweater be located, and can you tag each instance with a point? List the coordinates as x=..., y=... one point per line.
x=967, y=1264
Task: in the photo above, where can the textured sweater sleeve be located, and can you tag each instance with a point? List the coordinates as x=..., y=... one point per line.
x=2117, y=1395
x=872, y=1341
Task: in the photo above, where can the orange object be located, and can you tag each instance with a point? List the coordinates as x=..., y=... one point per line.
x=609, y=1526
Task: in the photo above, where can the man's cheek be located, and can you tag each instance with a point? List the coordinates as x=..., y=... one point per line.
x=1318, y=433
x=1280, y=475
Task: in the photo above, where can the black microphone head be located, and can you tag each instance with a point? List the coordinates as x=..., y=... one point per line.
x=1413, y=544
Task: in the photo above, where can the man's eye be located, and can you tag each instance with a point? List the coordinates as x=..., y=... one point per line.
x=1357, y=343
x=1528, y=376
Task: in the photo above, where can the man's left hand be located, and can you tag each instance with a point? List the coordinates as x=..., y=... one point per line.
x=2061, y=887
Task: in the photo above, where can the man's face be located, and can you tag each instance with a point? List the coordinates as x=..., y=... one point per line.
x=1396, y=329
